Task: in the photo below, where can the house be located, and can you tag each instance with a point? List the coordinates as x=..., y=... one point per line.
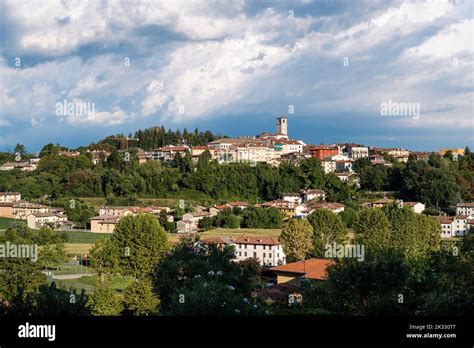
x=310, y=194
x=285, y=207
x=21, y=209
x=323, y=151
x=399, y=153
x=186, y=226
x=6, y=210
x=345, y=176
x=455, y=152
x=417, y=207
x=220, y=242
x=379, y=159
x=197, y=151
x=380, y=203
x=292, y=197
x=329, y=166
x=23, y=166
x=167, y=153
x=38, y=220
x=267, y=250
x=104, y=223
x=465, y=209
x=241, y=205
x=286, y=146
x=456, y=226
x=114, y=210
x=98, y=156
x=304, y=210
x=344, y=166
x=9, y=197
x=296, y=272
x=421, y=155
x=355, y=151
x=446, y=223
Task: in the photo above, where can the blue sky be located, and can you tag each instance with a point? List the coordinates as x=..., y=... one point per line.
x=232, y=67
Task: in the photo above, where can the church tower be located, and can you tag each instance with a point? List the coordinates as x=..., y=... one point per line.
x=282, y=126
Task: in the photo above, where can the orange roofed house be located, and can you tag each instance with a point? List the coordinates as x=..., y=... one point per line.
x=293, y=273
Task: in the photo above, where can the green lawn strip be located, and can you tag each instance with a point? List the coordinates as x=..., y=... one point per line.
x=118, y=283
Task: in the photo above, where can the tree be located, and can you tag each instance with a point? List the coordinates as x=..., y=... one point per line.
x=196, y=278
x=103, y=257
x=206, y=223
x=415, y=235
x=297, y=239
x=139, y=298
x=52, y=255
x=141, y=242
x=20, y=148
x=328, y=228
x=372, y=287
x=104, y=301
x=232, y=221
x=348, y=216
x=373, y=228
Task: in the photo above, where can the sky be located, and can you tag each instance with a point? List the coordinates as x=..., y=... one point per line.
x=73, y=72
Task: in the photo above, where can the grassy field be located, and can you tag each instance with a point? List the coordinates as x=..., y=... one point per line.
x=78, y=249
x=5, y=222
x=169, y=201
x=118, y=283
x=72, y=269
x=81, y=237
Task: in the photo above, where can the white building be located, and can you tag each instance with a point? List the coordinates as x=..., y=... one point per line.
x=328, y=165
x=267, y=250
x=465, y=209
x=9, y=197
x=417, y=207
x=38, y=220
x=311, y=194
x=292, y=197
x=457, y=226
x=356, y=151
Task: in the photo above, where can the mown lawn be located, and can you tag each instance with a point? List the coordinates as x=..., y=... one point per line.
x=78, y=249
x=118, y=283
x=81, y=237
x=5, y=222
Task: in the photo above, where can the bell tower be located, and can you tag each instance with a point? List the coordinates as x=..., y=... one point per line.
x=282, y=126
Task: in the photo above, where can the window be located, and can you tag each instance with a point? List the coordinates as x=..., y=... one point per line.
x=240, y=253
x=264, y=255
x=245, y=254
x=255, y=254
x=270, y=255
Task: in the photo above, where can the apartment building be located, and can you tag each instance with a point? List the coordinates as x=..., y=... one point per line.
x=267, y=250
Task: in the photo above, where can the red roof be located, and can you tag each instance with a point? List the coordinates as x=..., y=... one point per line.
x=257, y=240
x=311, y=269
x=238, y=204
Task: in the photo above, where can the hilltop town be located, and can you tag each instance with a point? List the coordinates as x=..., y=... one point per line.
x=288, y=210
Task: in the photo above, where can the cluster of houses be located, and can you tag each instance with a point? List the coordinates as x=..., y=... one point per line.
x=36, y=215
x=24, y=166
x=109, y=216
